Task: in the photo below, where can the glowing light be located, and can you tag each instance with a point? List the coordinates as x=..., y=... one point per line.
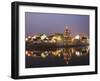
x=59, y=55
x=67, y=62
x=28, y=55
x=56, y=39
x=26, y=52
x=77, y=53
x=29, y=37
x=26, y=39
x=44, y=54
x=34, y=37
x=77, y=37
x=59, y=38
x=43, y=37
x=53, y=41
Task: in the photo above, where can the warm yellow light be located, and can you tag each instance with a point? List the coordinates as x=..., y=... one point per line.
x=59, y=38
x=43, y=37
x=43, y=55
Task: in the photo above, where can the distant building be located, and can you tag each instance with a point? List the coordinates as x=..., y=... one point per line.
x=67, y=32
x=67, y=35
x=81, y=38
x=57, y=37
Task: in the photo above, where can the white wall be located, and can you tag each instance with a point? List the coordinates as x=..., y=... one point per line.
x=5, y=40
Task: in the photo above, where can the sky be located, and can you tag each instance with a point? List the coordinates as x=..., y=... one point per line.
x=49, y=23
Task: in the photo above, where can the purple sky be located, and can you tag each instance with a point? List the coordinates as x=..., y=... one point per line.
x=50, y=23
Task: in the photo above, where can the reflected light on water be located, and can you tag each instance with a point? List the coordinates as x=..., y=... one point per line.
x=77, y=53
x=66, y=53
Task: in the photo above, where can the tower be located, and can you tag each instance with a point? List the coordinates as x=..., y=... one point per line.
x=67, y=32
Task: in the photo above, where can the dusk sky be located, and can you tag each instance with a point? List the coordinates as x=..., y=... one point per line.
x=50, y=23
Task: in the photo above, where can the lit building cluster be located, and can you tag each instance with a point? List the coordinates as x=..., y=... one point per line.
x=78, y=45
x=66, y=37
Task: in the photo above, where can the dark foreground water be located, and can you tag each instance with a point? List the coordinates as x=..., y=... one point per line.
x=54, y=61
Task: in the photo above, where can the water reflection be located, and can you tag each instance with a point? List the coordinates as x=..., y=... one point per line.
x=65, y=55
